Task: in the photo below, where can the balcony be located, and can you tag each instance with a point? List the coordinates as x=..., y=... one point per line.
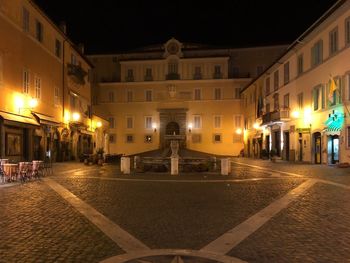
x=172, y=76
x=197, y=76
x=217, y=75
x=77, y=73
x=148, y=78
x=129, y=78
x=280, y=115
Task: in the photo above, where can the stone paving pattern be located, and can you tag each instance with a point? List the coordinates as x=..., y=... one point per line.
x=315, y=228
x=36, y=225
x=178, y=215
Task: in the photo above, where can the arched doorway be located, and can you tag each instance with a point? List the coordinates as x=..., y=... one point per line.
x=317, y=147
x=172, y=128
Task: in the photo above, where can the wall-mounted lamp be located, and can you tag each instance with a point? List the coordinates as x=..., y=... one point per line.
x=76, y=116
x=98, y=124
x=296, y=114
x=154, y=127
x=189, y=127
x=239, y=131
x=256, y=126
x=25, y=103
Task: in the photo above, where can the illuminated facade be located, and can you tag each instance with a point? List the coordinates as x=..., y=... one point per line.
x=176, y=91
x=295, y=107
x=45, y=89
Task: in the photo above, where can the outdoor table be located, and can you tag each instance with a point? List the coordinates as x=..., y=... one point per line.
x=10, y=170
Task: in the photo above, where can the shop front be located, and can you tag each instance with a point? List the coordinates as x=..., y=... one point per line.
x=17, y=136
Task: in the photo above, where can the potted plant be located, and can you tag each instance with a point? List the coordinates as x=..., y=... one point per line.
x=273, y=153
x=100, y=153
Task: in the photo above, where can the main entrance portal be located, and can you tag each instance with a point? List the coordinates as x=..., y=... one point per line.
x=172, y=126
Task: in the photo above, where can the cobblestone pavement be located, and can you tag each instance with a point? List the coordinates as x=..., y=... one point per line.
x=185, y=212
x=38, y=226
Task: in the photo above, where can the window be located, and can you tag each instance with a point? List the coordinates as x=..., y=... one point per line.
x=129, y=138
x=25, y=81
x=300, y=64
x=276, y=80
x=111, y=122
x=129, y=75
x=267, y=85
x=286, y=73
x=300, y=101
x=197, y=73
x=148, y=139
x=148, y=95
x=57, y=95
x=111, y=96
x=348, y=136
x=148, y=75
x=148, y=122
x=317, y=53
x=276, y=105
x=318, y=97
x=73, y=59
x=58, y=48
x=196, y=138
x=335, y=98
x=333, y=41
x=217, y=138
x=217, y=94
x=237, y=121
x=37, y=87
x=172, y=68
x=286, y=101
x=347, y=31
x=267, y=107
x=197, y=122
x=112, y=138
x=129, y=96
x=197, y=94
x=217, y=122
x=39, y=31
x=237, y=93
x=129, y=122
x=217, y=72
x=25, y=19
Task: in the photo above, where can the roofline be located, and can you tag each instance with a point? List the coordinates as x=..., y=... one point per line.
x=308, y=31
x=59, y=30
x=191, y=49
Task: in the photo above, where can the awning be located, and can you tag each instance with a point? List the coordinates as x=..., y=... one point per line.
x=332, y=130
x=9, y=118
x=86, y=132
x=45, y=119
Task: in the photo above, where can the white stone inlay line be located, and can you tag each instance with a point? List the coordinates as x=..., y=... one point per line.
x=268, y=169
x=232, y=238
x=123, y=239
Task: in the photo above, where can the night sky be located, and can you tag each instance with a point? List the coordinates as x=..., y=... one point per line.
x=108, y=26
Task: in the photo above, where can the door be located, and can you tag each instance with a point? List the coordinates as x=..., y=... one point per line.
x=317, y=147
x=333, y=149
x=300, y=139
x=286, y=145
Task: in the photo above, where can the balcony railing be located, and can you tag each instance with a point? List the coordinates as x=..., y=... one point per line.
x=173, y=76
x=197, y=76
x=217, y=75
x=129, y=78
x=148, y=78
x=276, y=116
x=77, y=73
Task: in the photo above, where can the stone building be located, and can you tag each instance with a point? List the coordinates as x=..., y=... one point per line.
x=176, y=91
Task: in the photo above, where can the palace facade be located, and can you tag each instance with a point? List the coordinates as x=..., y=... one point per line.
x=176, y=91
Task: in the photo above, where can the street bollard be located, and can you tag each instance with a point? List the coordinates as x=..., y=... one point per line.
x=224, y=166
x=174, y=166
x=126, y=165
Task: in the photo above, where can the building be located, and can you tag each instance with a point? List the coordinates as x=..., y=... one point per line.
x=45, y=102
x=176, y=91
x=299, y=105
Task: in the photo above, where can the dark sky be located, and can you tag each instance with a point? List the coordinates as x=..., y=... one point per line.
x=107, y=26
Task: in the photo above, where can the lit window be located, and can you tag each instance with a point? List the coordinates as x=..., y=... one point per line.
x=148, y=139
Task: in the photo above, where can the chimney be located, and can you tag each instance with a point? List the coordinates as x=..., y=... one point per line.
x=81, y=48
x=63, y=27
